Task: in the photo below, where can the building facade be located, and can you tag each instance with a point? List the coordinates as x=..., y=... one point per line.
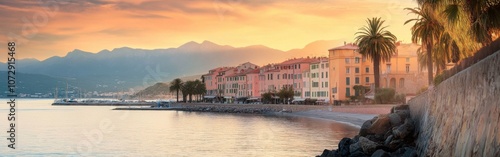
x=315, y=80
x=348, y=68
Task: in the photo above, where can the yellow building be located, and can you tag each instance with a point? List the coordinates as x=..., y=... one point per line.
x=349, y=68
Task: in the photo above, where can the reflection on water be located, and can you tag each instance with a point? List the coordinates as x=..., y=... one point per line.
x=98, y=131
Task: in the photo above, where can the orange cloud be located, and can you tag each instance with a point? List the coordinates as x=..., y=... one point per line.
x=93, y=25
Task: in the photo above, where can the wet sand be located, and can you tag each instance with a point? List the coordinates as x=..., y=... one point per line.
x=353, y=115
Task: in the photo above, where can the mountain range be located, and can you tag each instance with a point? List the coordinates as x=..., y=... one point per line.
x=124, y=68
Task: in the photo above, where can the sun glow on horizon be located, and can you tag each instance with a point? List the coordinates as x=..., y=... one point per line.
x=54, y=29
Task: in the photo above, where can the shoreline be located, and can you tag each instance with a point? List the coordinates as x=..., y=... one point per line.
x=354, y=115
x=352, y=119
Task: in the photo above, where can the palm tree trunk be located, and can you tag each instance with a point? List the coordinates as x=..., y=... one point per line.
x=177, y=95
x=429, y=64
x=439, y=68
x=376, y=72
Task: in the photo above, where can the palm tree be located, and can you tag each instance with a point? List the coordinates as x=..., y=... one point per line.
x=376, y=44
x=426, y=30
x=480, y=17
x=199, y=89
x=188, y=89
x=176, y=85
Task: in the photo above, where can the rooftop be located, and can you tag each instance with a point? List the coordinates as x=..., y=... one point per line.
x=349, y=46
x=299, y=60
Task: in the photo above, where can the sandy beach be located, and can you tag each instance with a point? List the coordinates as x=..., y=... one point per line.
x=353, y=115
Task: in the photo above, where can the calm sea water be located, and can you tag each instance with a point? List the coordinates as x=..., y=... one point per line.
x=45, y=130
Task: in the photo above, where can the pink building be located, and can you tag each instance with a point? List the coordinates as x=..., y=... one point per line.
x=211, y=81
x=247, y=80
x=243, y=84
x=230, y=82
x=274, y=77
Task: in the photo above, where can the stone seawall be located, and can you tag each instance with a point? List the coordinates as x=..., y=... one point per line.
x=461, y=116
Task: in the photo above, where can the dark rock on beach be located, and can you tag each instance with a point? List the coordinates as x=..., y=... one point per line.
x=380, y=126
x=386, y=135
x=380, y=153
x=344, y=145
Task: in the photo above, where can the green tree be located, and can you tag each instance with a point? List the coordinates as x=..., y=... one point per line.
x=176, y=85
x=384, y=95
x=376, y=43
x=286, y=93
x=267, y=97
x=360, y=91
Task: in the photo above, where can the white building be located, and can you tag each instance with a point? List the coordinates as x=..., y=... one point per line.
x=316, y=81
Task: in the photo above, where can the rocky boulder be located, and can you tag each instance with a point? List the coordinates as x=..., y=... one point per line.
x=363, y=131
x=355, y=148
x=380, y=153
x=381, y=125
x=395, y=119
x=344, y=145
x=403, y=130
x=367, y=145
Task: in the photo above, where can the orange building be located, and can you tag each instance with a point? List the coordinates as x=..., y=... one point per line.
x=349, y=68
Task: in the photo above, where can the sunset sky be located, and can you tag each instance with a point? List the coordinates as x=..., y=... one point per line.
x=54, y=28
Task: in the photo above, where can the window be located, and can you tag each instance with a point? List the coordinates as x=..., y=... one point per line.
x=347, y=61
x=326, y=84
x=367, y=79
x=327, y=65
x=347, y=81
x=348, y=92
x=322, y=66
x=356, y=60
x=356, y=70
x=315, y=84
x=367, y=70
x=326, y=74
x=407, y=68
x=401, y=83
x=407, y=59
x=322, y=84
x=356, y=80
x=388, y=68
x=334, y=90
x=299, y=66
x=347, y=71
x=322, y=75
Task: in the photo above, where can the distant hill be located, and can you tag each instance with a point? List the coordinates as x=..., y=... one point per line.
x=37, y=83
x=160, y=89
x=124, y=68
x=154, y=91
